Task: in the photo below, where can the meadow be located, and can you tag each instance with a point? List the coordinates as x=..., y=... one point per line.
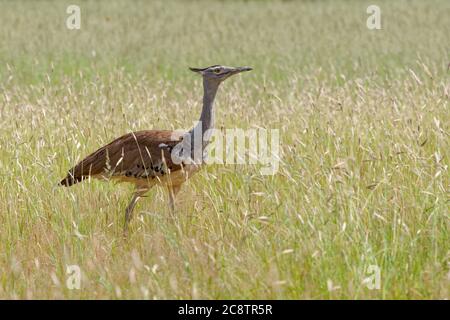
x=363, y=181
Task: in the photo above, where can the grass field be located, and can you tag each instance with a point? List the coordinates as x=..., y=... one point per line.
x=363, y=117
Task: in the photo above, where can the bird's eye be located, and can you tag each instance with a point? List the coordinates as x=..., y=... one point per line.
x=216, y=70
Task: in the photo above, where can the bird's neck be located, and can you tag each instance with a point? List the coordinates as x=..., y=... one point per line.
x=206, y=121
x=209, y=95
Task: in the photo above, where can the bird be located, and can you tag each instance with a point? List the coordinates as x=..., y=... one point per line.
x=156, y=157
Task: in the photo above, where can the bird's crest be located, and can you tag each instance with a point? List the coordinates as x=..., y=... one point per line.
x=202, y=69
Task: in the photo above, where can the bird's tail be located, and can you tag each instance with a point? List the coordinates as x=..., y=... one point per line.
x=70, y=180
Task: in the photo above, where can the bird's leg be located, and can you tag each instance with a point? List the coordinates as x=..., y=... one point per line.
x=173, y=191
x=129, y=210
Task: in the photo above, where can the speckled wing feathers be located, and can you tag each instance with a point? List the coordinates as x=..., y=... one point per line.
x=137, y=155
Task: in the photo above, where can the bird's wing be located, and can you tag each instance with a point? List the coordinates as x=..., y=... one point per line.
x=141, y=154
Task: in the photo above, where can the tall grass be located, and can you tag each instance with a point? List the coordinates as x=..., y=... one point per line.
x=364, y=127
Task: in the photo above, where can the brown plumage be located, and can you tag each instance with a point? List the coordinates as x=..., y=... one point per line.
x=146, y=158
x=135, y=157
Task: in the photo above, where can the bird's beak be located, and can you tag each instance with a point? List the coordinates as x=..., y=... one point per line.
x=236, y=70
x=242, y=69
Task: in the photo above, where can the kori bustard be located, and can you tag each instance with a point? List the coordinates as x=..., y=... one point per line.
x=150, y=157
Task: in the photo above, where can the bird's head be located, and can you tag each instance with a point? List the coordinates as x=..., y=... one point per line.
x=219, y=73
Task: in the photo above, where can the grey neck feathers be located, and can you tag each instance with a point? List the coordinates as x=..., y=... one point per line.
x=206, y=121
